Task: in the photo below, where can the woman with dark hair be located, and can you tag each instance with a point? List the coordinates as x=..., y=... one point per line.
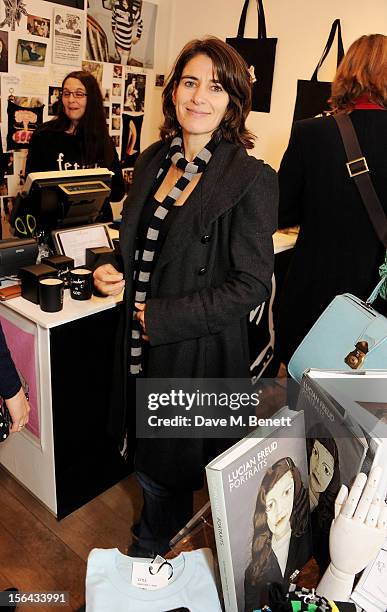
x=281, y=537
x=199, y=221
x=324, y=485
x=78, y=137
x=337, y=249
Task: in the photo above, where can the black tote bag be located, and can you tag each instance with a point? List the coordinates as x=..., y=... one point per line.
x=312, y=96
x=259, y=54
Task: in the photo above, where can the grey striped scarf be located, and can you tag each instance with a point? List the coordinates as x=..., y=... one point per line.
x=146, y=258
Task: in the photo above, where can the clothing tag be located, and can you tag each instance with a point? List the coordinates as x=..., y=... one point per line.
x=143, y=579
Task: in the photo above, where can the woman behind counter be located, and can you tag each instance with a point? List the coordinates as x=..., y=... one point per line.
x=201, y=213
x=337, y=249
x=78, y=137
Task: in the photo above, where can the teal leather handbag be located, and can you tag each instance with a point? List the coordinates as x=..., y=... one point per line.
x=349, y=334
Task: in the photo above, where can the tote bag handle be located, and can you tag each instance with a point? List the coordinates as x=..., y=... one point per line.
x=336, y=26
x=261, y=20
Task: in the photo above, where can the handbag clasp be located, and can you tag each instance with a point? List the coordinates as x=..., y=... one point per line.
x=355, y=359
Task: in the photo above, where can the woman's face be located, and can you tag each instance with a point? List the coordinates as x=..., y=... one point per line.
x=279, y=505
x=321, y=467
x=200, y=100
x=74, y=107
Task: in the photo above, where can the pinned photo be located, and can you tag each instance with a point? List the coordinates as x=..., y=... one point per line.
x=116, y=123
x=3, y=51
x=117, y=71
x=38, y=26
x=30, y=53
x=116, y=90
x=53, y=100
x=116, y=109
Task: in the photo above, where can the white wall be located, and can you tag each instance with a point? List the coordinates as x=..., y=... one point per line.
x=301, y=26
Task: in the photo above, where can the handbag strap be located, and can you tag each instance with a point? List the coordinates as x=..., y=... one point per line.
x=358, y=171
x=336, y=26
x=261, y=20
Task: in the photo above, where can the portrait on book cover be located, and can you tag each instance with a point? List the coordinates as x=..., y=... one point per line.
x=281, y=538
x=324, y=485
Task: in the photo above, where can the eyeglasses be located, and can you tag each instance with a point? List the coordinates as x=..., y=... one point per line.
x=76, y=94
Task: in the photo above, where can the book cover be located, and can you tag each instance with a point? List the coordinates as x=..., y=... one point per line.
x=337, y=448
x=362, y=399
x=260, y=505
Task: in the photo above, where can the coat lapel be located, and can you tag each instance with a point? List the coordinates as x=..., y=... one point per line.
x=218, y=190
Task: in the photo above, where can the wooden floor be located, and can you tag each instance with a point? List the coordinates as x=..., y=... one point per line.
x=39, y=553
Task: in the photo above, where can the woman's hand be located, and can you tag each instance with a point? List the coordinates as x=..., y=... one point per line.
x=18, y=409
x=108, y=280
x=140, y=316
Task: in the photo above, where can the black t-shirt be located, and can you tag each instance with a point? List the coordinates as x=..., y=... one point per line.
x=9, y=379
x=50, y=150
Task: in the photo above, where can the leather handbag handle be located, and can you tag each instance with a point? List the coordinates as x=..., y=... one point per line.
x=359, y=172
x=261, y=20
x=336, y=26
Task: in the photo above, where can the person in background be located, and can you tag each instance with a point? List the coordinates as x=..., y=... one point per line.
x=337, y=249
x=11, y=390
x=197, y=234
x=78, y=137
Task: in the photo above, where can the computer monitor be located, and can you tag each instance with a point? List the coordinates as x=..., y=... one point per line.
x=65, y=198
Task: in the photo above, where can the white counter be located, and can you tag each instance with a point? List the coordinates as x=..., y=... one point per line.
x=72, y=309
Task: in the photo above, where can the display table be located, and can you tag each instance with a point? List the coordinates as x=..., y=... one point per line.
x=65, y=456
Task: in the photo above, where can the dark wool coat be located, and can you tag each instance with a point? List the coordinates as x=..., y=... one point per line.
x=337, y=250
x=215, y=265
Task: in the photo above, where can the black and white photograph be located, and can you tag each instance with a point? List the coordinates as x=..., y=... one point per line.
x=31, y=53
x=134, y=92
x=122, y=32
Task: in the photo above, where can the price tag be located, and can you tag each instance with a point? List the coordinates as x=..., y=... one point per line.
x=143, y=579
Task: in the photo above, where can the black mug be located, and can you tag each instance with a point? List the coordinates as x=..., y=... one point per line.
x=81, y=284
x=51, y=294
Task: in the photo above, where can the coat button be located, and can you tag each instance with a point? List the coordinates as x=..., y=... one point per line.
x=202, y=271
x=206, y=238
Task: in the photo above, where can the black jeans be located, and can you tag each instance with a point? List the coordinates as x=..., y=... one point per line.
x=164, y=513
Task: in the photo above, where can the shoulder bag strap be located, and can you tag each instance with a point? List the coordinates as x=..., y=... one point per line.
x=336, y=26
x=358, y=171
x=261, y=20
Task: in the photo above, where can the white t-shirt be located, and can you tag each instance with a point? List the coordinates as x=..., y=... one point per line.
x=109, y=584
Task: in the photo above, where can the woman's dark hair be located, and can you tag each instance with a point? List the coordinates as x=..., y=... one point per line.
x=97, y=147
x=325, y=508
x=299, y=519
x=361, y=71
x=232, y=73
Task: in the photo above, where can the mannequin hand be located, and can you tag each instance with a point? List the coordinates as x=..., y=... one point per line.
x=18, y=409
x=357, y=533
x=140, y=316
x=108, y=280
